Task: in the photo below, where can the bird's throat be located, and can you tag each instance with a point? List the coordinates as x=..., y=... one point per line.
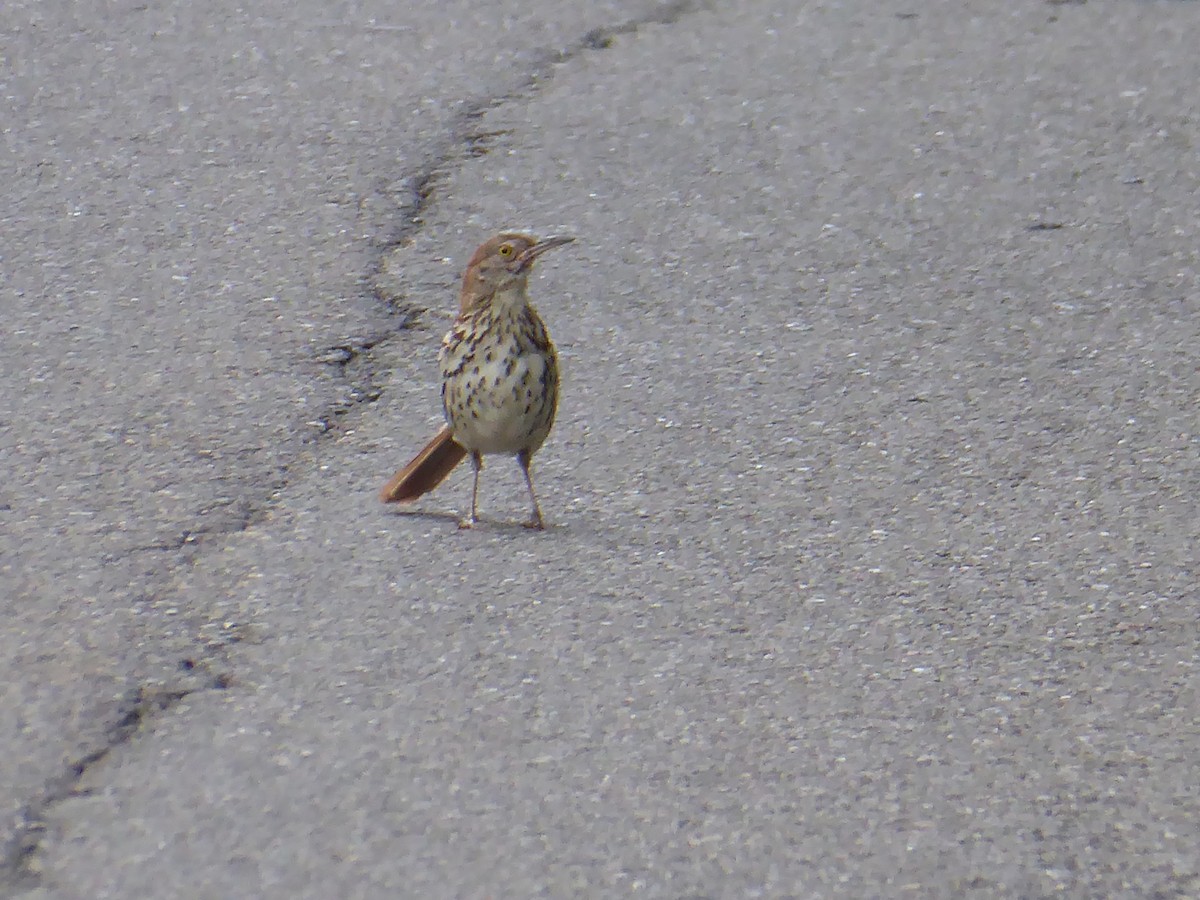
x=508, y=300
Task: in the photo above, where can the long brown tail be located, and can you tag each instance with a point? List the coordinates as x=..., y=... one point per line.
x=428, y=469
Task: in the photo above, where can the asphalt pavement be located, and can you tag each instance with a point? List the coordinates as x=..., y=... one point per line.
x=870, y=569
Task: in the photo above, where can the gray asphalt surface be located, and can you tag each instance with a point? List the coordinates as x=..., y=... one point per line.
x=871, y=567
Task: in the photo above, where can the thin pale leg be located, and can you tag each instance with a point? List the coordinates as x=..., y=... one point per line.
x=477, y=463
x=535, y=518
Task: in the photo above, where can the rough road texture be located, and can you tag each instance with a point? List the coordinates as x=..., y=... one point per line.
x=871, y=568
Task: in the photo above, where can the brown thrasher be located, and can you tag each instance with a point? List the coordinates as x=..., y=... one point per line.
x=499, y=375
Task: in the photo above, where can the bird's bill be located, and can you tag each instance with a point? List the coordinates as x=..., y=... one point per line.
x=541, y=247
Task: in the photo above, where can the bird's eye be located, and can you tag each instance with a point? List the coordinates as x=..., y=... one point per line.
x=506, y=250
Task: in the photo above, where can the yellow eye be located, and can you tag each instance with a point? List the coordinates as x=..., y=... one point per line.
x=506, y=250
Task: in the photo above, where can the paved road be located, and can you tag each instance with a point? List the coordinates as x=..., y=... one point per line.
x=871, y=570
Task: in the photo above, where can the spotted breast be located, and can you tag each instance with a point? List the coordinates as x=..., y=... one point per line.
x=500, y=380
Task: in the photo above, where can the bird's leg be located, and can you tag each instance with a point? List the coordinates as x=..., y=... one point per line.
x=477, y=463
x=535, y=518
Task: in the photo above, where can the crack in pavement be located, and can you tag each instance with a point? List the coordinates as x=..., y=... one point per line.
x=351, y=362
x=354, y=359
x=19, y=857
x=466, y=140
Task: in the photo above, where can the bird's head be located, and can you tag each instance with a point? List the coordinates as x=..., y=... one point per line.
x=502, y=264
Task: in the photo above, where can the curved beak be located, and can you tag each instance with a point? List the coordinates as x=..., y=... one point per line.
x=526, y=259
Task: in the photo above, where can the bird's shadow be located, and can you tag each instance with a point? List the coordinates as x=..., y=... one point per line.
x=485, y=523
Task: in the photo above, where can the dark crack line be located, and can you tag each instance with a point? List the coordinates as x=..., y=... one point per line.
x=353, y=361
x=466, y=140
x=20, y=867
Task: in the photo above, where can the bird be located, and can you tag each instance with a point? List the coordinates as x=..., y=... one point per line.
x=499, y=375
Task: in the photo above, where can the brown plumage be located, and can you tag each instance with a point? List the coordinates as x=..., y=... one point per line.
x=428, y=469
x=499, y=375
